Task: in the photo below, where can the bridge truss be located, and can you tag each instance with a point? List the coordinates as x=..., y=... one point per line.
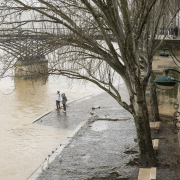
x=31, y=43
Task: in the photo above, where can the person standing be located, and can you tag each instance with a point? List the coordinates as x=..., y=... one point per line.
x=64, y=100
x=176, y=31
x=58, y=99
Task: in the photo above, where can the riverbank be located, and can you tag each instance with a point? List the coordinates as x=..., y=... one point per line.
x=105, y=148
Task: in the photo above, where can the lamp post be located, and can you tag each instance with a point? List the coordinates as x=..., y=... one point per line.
x=165, y=81
x=165, y=54
x=168, y=82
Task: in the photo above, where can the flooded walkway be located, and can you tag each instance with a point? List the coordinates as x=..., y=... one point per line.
x=25, y=145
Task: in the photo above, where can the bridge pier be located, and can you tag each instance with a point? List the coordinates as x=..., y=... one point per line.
x=31, y=67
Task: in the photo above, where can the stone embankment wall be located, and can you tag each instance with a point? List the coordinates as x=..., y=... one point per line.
x=167, y=98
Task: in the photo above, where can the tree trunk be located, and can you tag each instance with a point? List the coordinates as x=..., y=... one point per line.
x=147, y=157
x=153, y=99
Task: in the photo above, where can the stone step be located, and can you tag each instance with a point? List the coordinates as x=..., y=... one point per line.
x=147, y=173
x=155, y=143
x=155, y=125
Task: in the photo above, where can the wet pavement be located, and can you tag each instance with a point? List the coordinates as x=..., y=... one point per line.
x=103, y=148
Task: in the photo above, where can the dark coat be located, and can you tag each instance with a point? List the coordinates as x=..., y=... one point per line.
x=176, y=31
x=64, y=99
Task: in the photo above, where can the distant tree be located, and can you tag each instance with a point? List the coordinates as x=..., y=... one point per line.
x=98, y=41
x=173, y=8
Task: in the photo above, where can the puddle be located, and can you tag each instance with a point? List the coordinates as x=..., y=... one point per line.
x=108, y=119
x=99, y=126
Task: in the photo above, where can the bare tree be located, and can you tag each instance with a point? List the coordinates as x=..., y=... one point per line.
x=174, y=6
x=95, y=40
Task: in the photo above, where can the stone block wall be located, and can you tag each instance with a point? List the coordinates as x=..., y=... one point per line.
x=167, y=98
x=30, y=69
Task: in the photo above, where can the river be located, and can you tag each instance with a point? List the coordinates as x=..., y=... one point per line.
x=25, y=145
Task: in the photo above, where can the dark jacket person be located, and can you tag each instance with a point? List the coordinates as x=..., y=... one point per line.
x=64, y=100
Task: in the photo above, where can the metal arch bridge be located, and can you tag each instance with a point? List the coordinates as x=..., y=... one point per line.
x=30, y=43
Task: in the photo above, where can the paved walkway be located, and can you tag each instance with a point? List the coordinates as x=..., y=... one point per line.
x=103, y=148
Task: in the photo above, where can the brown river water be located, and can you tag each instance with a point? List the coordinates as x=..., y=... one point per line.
x=25, y=145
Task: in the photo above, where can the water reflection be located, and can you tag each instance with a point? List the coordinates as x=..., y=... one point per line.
x=24, y=145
